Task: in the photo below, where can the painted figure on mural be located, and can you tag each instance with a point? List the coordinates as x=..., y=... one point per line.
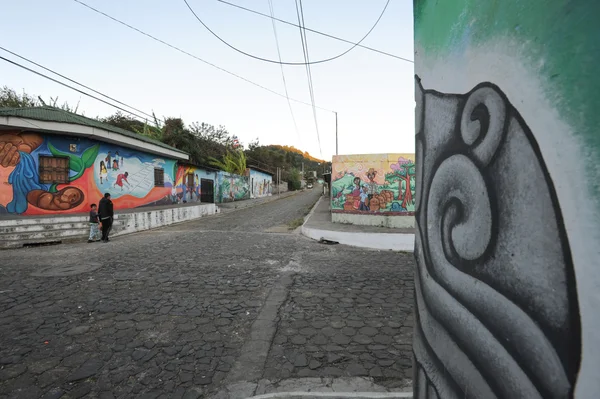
x=103, y=172
x=108, y=159
x=371, y=173
x=122, y=178
x=364, y=199
x=197, y=187
x=116, y=161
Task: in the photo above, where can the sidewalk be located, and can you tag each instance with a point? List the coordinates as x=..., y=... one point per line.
x=226, y=207
x=319, y=226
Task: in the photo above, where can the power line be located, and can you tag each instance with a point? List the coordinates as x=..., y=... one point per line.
x=74, y=81
x=280, y=62
x=271, y=9
x=303, y=38
x=72, y=88
x=314, y=31
x=192, y=55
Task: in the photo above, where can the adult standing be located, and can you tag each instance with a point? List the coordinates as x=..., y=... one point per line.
x=106, y=213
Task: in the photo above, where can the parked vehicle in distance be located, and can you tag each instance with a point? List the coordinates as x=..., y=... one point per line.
x=309, y=185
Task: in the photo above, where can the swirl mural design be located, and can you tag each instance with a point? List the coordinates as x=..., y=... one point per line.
x=496, y=305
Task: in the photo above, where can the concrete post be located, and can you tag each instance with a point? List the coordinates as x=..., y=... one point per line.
x=508, y=199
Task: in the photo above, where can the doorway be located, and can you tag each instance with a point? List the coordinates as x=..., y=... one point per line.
x=207, y=193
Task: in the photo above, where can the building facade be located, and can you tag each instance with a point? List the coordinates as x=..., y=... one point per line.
x=55, y=162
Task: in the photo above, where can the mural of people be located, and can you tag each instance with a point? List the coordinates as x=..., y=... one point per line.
x=103, y=172
x=389, y=179
x=122, y=178
x=364, y=199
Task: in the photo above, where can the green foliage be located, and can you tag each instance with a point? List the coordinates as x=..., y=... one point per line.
x=11, y=99
x=294, y=180
x=232, y=162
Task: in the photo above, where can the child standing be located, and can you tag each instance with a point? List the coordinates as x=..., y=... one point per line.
x=94, y=224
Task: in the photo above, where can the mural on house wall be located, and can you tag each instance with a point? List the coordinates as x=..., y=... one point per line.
x=507, y=201
x=94, y=169
x=260, y=184
x=188, y=187
x=232, y=187
x=373, y=183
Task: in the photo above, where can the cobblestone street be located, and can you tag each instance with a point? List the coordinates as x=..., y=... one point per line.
x=181, y=312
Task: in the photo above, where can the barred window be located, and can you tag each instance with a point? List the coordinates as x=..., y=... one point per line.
x=159, y=177
x=54, y=170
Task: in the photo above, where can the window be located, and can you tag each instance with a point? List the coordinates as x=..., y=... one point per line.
x=54, y=170
x=159, y=177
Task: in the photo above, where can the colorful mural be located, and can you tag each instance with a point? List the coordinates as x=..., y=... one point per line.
x=94, y=169
x=508, y=199
x=260, y=183
x=232, y=187
x=187, y=186
x=373, y=183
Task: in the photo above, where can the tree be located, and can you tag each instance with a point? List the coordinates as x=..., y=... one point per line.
x=124, y=121
x=11, y=99
x=403, y=171
x=294, y=179
x=233, y=162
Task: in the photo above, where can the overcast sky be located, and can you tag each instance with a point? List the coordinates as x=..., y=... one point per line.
x=372, y=93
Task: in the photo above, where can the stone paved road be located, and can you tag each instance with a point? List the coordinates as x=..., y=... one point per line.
x=183, y=311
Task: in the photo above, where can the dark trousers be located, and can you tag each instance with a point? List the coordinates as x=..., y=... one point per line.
x=106, y=226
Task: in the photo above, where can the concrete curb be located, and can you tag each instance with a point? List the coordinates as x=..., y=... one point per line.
x=382, y=241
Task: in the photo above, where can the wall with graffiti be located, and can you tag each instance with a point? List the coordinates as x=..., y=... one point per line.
x=260, y=184
x=507, y=139
x=94, y=168
x=232, y=187
x=373, y=184
x=188, y=180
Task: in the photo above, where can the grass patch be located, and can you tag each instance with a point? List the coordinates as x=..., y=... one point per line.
x=294, y=224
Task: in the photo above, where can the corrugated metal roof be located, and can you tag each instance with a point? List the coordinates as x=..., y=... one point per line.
x=51, y=114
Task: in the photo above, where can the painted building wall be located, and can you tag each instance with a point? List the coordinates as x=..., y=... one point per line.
x=232, y=187
x=508, y=199
x=260, y=184
x=95, y=168
x=387, y=179
x=183, y=192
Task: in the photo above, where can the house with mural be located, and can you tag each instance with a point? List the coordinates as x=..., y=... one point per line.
x=261, y=182
x=57, y=162
x=373, y=189
x=195, y=183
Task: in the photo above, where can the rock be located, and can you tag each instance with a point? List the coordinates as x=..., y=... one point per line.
x=12, y=371
x=87, y=369
x=78, y=330
x=314, y=364
x=301, y=361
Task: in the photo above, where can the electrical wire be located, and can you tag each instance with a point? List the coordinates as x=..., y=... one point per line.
x=303, y=38
x=272, y=11
x=286, y=63
x=77, y=83
x=314, y=31
x=192, y=55
x=72, y=88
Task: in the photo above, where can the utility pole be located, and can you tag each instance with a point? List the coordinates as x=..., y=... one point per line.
x=336, y=134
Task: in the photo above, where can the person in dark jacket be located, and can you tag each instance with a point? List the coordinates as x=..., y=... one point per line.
x=106, y=213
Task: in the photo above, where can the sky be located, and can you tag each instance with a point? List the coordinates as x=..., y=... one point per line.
x=372, y=93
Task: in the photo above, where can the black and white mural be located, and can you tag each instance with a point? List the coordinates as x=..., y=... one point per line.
x=496, y=301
